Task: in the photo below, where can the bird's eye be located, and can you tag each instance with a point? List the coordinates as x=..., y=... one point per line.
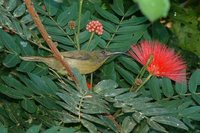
x=103, y=52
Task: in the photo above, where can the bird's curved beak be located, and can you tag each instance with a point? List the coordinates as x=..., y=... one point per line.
x=114, y=53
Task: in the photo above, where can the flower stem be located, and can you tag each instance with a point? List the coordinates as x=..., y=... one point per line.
x=145, y=66
x=140, y=75
x=91, y=80
x=89, y=42
x=79, y=24
x=143, y=83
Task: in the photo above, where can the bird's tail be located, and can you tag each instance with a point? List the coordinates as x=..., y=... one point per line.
x=33, y=58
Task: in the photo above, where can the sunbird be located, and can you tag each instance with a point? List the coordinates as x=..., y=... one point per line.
x=85, y=61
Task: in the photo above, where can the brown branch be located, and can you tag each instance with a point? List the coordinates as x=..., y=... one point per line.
x=48, y=39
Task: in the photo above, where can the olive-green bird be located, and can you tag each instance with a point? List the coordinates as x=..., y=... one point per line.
x=85, y=61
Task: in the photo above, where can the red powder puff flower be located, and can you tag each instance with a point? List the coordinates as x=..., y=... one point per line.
x=165, y=63
x=95, y=26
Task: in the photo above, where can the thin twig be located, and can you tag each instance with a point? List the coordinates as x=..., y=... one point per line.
x=79, y=24
x=48, y=39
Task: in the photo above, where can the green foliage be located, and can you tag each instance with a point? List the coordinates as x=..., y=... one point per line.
x=34, y=99
x=155, y=9
x=185, y=27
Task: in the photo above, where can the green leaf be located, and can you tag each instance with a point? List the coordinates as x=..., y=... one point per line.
x=65, y=117
x=62, y=39
x=108, y=71
x=155, y=9
x=154, y=86
x=158, y=31
x=5, y=21
x=126, y=96
x=18, y=86
x=26, y=19
x=93, y=44
x=54, y=31
x=70, y=12
x=51, y=6
x=29, y=105
x=51, y=86
x=11, y=92
x=133, y=21
x=125, y=74
x=128, y=124
x=156, y=126
x=109, y=123
x=84, y=36
x=9, y=42
x=129, y=64
x=1, y=46
x=26, y=48
x=107, y=15
x=11, y=5
x=1, y=2
x=91, y=127
x=19, y=11
x=167, y=87
x=3, y=130
x=17, y=27
x=34, y=129
x=118, y=7
x=40, y=70
x=181, y=88
x=155, y=111
x=169, y=120
x=146, y=35
x=53, y=129
x=106, y=35
x=191, y=110
x=131, y=10
x=81, y=79
x=196, y=97
x=84, y=19
x=69, y=100
x=105, y=85
x=185, y=104
x=119, y=47
x=122, y=38
x=132, y=29
x=194, y=81
x=39, y=9
x=143, y=128
x=93, y=119
x=194, y=116
x=47, y=102
x=26, y=66
x=115, y=92
x=108, y=26
x=67, y=130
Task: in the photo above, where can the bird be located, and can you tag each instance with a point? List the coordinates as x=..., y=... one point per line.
x=85, y=61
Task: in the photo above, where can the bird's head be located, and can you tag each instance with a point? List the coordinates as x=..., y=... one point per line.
x=103, y=55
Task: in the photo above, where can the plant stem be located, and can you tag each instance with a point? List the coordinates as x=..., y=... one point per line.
x=113, y=35
x=91, y=80
x=79, y=24
x=89, y=42
x=143, y=83
x=140, y=75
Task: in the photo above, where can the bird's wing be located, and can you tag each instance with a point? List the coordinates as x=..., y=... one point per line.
x=79, y=55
